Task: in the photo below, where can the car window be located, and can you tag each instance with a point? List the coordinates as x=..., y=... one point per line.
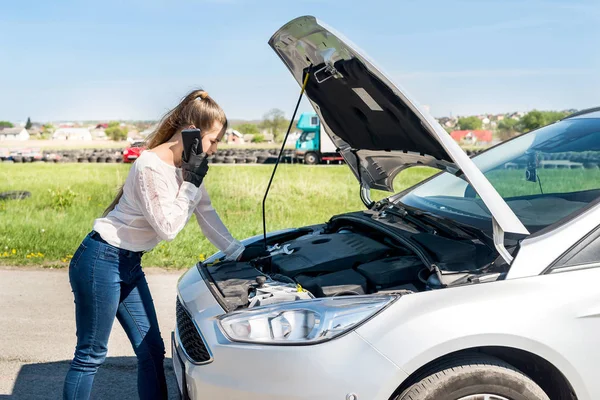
x=544, y=176
x=309, y=136
x=585, y=254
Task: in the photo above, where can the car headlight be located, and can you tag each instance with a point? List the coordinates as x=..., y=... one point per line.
x=301, y=322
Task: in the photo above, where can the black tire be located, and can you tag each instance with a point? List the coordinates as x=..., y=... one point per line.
x=229, y=160
x=240, y=160
x=250, y=160
x=110, y=160
x=92, y=159
x=470, y=375
x=311, y=158
x=15, y=195
x=18, y=159
x=218, y=160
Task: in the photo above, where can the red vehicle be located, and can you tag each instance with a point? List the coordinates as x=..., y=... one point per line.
x=131, y=153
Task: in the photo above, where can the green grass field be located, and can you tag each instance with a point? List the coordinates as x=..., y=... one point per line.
x=38, y=231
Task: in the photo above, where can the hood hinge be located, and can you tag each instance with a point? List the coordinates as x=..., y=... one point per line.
x=499, y=242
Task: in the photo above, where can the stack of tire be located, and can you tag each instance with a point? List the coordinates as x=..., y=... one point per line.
x=226, y=156
x=242, y=157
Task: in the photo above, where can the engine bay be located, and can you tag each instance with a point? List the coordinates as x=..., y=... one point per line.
x=345, y=258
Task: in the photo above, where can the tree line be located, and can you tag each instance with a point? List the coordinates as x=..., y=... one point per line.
x=509, y=127
x=274, y=122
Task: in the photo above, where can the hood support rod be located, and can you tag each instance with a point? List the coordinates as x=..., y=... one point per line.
x=280, y=154
x=365, y=194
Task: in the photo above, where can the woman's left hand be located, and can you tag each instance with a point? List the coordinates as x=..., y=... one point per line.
x=234, y=251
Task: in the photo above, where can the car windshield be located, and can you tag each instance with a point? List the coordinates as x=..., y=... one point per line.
x=544, y=176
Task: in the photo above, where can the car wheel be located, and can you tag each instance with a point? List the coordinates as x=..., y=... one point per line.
x=473, y=377
x=311, y=158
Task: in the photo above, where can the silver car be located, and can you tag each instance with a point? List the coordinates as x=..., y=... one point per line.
x=482, y=282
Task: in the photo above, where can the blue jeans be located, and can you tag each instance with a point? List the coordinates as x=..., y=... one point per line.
x=108, y=282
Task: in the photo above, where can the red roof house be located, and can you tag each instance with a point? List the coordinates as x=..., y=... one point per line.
x=476, y=136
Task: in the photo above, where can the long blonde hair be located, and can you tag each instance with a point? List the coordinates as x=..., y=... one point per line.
x=198, y=109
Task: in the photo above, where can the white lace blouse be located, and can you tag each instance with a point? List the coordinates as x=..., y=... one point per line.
x=156, y=204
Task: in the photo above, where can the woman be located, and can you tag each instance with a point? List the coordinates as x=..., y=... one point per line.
x=159, y=195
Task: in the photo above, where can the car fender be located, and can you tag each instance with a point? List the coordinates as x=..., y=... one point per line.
x=456, y=344
x=422, y=327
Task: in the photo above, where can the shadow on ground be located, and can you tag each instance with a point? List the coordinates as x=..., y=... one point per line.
x=116, y=379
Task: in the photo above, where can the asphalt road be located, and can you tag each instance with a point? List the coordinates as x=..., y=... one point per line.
x=37, y=336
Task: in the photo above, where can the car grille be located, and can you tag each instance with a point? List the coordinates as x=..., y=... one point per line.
x=190, y=337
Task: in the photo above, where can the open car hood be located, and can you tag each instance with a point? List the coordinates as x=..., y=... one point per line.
x=377, y=127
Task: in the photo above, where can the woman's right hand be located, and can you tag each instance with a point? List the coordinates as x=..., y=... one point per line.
x=194, y=169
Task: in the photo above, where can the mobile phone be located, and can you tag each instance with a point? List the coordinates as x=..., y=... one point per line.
x=188, y=136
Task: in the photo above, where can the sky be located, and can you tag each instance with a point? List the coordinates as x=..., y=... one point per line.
x=135, y=59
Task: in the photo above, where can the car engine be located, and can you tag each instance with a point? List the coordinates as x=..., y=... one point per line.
x=336, y=261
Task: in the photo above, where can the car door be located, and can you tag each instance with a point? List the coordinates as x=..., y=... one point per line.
x=582, y=262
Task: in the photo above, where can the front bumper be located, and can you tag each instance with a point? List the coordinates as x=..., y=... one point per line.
x=332, y=370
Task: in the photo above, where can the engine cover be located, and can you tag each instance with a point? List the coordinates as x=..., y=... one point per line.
x=327, y=253
x=348, y=282
x=392, y=271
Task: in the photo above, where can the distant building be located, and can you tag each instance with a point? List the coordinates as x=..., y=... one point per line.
x=72, y=134
x=516, y=115
x=14, y=134
x=472, y=137
x=233, y=137
x=34, y=132
x=98, y=134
